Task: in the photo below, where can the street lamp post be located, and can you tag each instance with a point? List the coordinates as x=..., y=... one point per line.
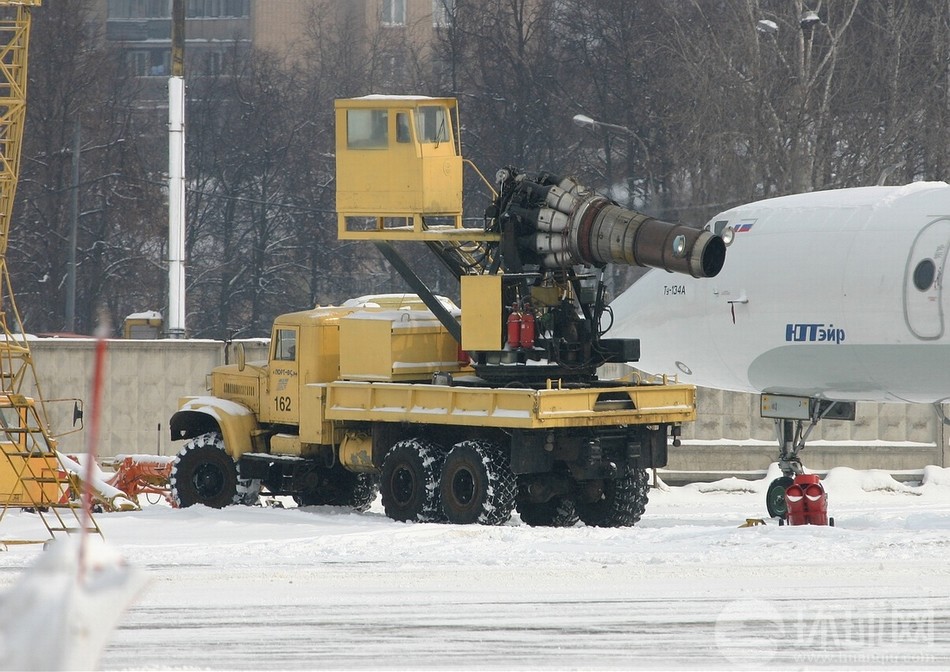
x=584, y=121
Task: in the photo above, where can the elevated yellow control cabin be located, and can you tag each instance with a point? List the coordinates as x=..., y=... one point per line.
x=399, y=169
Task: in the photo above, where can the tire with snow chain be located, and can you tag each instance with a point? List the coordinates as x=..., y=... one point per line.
x=204, y=474
x=248, y=491
x=338, y=487
x=556, y=512
x=621, y=504
x=478, y=485
x=409, y=483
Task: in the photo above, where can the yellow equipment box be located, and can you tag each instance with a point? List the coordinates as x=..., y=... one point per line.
x=396, y=345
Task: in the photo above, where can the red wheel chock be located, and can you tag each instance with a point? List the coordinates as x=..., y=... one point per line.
x=807, y=502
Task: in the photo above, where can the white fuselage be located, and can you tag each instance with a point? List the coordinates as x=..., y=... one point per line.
x=834, y=294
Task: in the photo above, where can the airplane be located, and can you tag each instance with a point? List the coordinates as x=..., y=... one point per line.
x=826, y=298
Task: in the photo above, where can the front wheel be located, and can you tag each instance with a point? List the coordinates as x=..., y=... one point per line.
x=620, y=504
x=478, y=485
x=203, y=473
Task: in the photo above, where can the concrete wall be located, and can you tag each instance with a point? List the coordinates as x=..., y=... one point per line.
x=729, y=435
x=144, y=380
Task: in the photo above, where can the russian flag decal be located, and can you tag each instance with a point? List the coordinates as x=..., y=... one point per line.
x=745, y=225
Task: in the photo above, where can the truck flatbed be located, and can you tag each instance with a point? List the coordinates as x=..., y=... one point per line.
x=510, y=408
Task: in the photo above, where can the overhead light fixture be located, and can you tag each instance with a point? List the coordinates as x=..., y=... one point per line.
x=809, y=19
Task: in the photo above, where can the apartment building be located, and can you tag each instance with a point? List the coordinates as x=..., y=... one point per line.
x=216, y=29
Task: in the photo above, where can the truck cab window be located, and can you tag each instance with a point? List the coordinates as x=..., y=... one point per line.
x=285, y=346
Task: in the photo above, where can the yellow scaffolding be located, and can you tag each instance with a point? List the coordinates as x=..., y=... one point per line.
x=30, y=474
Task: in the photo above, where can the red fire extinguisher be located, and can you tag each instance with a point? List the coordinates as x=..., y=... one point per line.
x=527, y=328
x=514, y=328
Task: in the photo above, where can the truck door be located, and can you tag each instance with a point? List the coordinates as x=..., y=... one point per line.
x=283, y=392
x=923, y=281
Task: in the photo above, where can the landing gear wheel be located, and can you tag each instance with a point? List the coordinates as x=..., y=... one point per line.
x=775, y=497
x=204, y=474
x=478, y=485
x=622, y=503
x=338, y=487
x=410, y=481
x=556, y=512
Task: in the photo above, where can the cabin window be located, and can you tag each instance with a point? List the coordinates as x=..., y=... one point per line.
x=285, y=345
x=367, y=129
x=403, y=133
x=432, y=124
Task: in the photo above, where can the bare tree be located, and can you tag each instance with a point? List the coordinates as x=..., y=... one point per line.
x=78, y=87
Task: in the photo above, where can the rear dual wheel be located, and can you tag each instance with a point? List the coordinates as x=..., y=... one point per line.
x=620, y=504
x=409, y=483
x=478, y=485
x=556, y=512
x=473, y=483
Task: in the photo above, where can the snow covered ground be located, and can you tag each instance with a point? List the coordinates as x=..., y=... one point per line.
x=317, y=588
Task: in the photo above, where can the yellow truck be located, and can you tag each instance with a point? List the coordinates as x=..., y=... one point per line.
x=454, y=415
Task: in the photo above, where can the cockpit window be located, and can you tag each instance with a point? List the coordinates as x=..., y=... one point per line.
x=924, y=274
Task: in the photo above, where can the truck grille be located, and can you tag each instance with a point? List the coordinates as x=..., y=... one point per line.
x=237, y=389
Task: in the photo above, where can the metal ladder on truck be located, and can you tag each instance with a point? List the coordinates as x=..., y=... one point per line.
x=31, y=477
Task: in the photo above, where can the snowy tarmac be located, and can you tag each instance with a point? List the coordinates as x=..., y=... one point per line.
x=318, y=588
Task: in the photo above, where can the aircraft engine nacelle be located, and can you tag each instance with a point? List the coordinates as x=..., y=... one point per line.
x=558, y=223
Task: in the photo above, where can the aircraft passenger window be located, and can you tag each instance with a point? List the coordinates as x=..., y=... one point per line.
x=924, y=274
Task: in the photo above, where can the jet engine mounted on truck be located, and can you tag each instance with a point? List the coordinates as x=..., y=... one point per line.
x=455, y=415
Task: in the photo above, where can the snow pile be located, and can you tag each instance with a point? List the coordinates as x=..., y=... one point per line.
x=936, y=476
x=846, y=482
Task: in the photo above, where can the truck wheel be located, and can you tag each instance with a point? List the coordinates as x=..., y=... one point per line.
x=410, y=481
x=556, y=512
x=477, y=484
x=338, y=487
x=622, y=503
x=248, y=491
x=204, y=474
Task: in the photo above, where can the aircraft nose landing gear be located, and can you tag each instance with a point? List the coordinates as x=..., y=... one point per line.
x=797, y=497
